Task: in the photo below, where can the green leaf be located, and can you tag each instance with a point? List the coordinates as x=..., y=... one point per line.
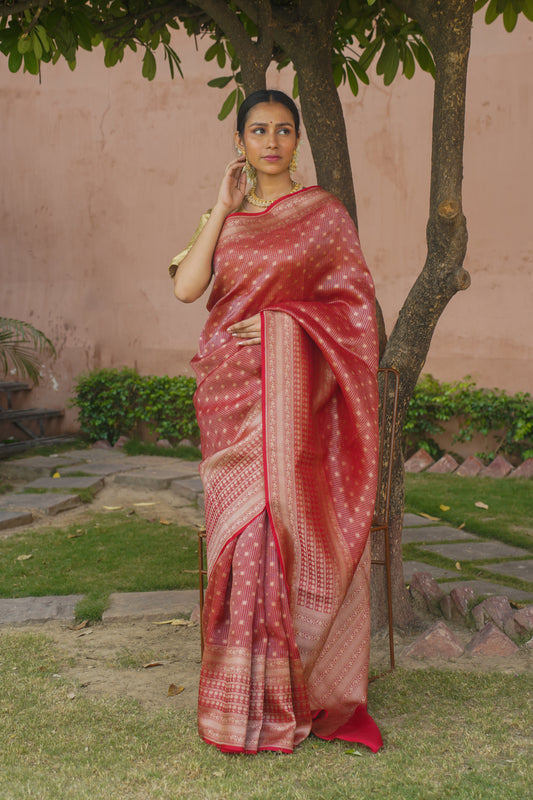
x=352, y=80
x=368, y=54
x=14, y=61
x=492, y=12
x=220, y=83
x=388, y=62
x=31, y=64
x=149, y=66
x=510, y=17
x=527, y=9
x=295, y=87
x=479, y=4
x=24, y=44
x=424, y=57
x=36, y=45
x=338, y=74
x=359, y=71
x=212, y=51
x=43, y=36
x=228, y=104
x=408, y=62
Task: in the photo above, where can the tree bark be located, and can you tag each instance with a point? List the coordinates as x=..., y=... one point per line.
x=447, y=25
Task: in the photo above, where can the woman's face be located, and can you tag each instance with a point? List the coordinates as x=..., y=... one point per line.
x=269, y=138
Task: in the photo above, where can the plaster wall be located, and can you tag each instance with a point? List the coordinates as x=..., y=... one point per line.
x=104, y=177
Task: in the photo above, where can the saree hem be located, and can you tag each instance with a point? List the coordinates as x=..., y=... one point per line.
x=360, y=728
x=229, y=749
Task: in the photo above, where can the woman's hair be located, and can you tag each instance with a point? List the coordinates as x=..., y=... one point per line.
x=266, y=96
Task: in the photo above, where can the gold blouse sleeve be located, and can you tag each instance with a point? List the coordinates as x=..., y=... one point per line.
x=176, y=261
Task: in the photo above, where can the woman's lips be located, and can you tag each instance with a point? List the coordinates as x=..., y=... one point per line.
x=271, y=158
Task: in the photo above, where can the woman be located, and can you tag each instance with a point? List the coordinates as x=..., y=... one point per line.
x=287, y=407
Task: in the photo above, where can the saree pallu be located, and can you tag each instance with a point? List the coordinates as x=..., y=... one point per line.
x=289, y=445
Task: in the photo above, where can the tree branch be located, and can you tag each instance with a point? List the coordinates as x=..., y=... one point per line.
x=253, y=56
x=8, y=9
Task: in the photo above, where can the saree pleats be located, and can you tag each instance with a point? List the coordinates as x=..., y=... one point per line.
x=289, y=444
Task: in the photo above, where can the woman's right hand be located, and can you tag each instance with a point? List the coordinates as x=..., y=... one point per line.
x=233, y=186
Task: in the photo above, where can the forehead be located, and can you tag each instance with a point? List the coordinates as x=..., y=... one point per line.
x=276, y=113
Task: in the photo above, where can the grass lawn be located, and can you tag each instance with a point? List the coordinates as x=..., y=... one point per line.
x=448, y=736
x=114, y=552
x=508, y=518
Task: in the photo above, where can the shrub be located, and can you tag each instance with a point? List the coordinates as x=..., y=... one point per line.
x=484, y=411
x=113, y=403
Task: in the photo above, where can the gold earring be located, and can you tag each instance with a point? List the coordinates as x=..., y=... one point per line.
x=249, y=170
x=294, y=160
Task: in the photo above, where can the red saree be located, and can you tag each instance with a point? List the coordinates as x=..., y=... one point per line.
x=289, y=445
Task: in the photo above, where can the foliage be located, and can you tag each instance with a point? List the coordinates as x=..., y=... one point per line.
x=113, y=402
x=484, y=411
x=32, y=33
x=21, y=345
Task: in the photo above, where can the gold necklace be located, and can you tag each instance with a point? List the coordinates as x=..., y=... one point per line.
x=254, y=200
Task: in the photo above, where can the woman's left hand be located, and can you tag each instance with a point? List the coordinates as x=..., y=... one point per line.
x=248, y=331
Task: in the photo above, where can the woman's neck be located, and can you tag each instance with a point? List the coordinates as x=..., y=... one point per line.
x=270, y=187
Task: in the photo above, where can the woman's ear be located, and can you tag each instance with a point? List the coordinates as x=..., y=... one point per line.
x=238, y=143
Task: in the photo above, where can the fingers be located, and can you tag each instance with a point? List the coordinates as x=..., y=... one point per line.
x=247, y=331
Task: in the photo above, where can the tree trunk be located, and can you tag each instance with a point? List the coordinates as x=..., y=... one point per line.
x=447, y=25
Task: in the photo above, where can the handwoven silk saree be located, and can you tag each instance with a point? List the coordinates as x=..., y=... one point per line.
x=289, y=445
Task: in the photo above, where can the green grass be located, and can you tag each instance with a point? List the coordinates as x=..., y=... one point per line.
x=136, y=448
x=448, y=736
x=509, y=517
x=53, y=449
x=5, y=488
x=113, y=552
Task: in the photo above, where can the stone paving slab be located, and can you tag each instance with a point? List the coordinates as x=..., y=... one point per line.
x=188, y=487
x=145, y=479
x=414, y=521
x=27, y=469
x=410, y=567
x=77, y=482
x=41, y=503
x=516, y=569
x=11, y=519
x=38, y=609
x=157, y=606
x=439, y=533
x=476, y=551
x=109, y=468
x=481, y=587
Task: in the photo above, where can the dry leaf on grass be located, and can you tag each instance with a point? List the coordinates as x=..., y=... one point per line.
x=184, y=622
x=25, y=558
x=428, y=516
x=164, y=522
x=444, y=508
x=112, y=508
x=84, y=633
x=458, y=565
x=144, y=504
x=79, y=627
x=56, y=475
x=479, y=504
x=153, y=664
x=174, y=690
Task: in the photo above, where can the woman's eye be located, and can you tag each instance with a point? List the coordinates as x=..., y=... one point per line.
x=258, y=130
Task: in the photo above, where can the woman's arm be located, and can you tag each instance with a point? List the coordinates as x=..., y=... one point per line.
x=194, y=273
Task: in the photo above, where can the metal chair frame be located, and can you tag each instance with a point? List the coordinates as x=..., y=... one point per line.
x=380, y=522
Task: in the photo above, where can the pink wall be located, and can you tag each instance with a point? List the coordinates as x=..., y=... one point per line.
x=104, y=176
